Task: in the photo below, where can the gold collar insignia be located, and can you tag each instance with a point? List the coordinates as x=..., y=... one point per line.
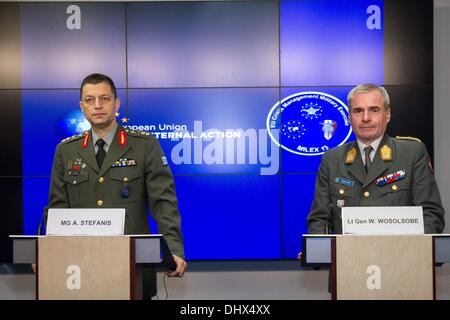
x=386, y=153
x=351, y=155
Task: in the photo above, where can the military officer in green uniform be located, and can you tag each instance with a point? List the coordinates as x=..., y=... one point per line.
x=374, y=170
x=113, y=167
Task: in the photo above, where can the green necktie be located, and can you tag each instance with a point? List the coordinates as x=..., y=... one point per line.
x=367, y=151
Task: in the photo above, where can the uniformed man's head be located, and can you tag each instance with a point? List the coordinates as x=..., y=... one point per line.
x=370, y=112
x=99, y=101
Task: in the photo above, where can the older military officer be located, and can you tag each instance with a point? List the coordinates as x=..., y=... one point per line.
x=112, y=167
x=375, y=170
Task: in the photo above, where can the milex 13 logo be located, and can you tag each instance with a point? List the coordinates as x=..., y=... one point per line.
x=309, y=123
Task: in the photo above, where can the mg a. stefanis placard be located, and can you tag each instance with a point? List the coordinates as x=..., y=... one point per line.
x=85, y=222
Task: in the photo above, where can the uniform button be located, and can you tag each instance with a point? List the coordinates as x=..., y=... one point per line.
x=125, y=179
x=99, y=203
x=74, y=181
x=341, y=191
x=101, y=179
x=394, y=187
x=366, y=194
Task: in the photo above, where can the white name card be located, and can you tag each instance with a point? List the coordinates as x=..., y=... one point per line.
x=85, y=222
x=382, y=220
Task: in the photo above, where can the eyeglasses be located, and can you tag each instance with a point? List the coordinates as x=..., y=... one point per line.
x=102, y=100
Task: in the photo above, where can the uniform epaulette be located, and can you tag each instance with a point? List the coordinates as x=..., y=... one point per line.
x=74, y=137
x=135, y=133
x=408, y=138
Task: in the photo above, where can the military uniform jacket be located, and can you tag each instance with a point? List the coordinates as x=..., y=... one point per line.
x=135, y=161
x=404, y=178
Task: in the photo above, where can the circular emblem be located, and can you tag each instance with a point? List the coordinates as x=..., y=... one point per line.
x=309, y=123
x=72, y=123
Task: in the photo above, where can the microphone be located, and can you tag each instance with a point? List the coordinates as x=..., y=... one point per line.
x=43, y=219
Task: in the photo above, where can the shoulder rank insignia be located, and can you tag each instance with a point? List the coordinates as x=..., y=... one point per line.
x=429, y=163
x=75, y=137
x=136, y=133
x=351, y=155
x=386, y=153
x=408, y=138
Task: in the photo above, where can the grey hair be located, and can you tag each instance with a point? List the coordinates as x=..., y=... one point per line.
x=367, y=87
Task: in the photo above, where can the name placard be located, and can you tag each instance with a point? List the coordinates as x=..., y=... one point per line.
x=85, y=222
x=382, y=220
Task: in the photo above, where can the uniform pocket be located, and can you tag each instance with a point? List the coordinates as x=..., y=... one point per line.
x=339, y=191
x=126, y=184
x=77, y=188
x=124, y=174
x=396, y=193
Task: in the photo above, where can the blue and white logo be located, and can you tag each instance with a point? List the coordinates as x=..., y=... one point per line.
x=309, y=123
x=71, y=123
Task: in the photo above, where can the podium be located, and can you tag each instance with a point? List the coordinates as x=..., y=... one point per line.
x=91, y=267
x=380, y=267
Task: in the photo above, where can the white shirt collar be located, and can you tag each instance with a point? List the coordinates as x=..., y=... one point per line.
x=374, y=144
x=108, y=138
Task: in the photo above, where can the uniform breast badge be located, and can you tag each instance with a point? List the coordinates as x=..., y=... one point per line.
x=395, y=176
x=75, y=168
x=124, y=162
x=340, y=203
x=125, y=190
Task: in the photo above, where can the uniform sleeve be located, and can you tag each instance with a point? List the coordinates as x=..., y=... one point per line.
x=426, y=194
x=58, y=197
x=162, y=197
x=320, y=209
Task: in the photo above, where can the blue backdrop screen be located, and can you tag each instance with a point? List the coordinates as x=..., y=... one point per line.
x=244, y=98
x=331, y=42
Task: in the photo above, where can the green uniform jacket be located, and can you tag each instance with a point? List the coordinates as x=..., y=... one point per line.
x=137, y=163
x=339, y=184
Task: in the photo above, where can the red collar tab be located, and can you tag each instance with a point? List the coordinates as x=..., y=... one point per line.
x=85, y=141
x=122, y=138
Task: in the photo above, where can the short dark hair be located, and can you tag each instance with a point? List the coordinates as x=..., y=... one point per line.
x=96, y=78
